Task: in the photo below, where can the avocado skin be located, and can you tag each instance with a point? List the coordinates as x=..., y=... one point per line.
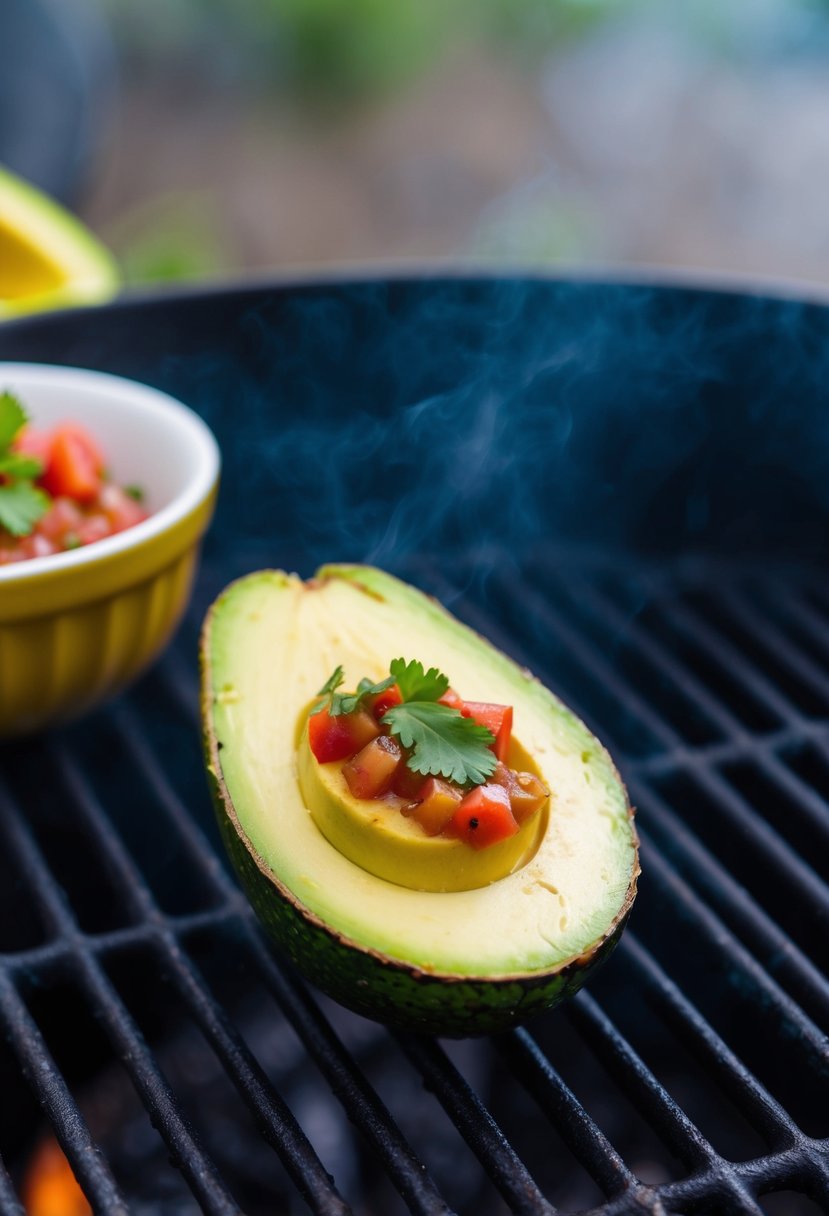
x=365, y=981
x=382, y=989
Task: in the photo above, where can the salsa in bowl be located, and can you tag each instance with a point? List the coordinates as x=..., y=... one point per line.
x=56, y=490
x=78, y=623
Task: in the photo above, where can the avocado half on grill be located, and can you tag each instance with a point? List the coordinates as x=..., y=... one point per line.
x=454, y=962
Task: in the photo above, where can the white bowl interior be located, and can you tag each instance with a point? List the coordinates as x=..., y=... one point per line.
x=148, y=439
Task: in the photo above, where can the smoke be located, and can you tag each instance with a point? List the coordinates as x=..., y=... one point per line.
x=374, y=421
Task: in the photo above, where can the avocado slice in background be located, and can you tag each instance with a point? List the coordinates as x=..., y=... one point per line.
x=48, y=259
x=449, y=963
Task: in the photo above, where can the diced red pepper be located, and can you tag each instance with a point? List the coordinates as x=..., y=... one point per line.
x=484, y=817
x=498, y=720
x=438, y=803
x=339, y=738
x=370, y=773
x=385, y=701
x=75, y=464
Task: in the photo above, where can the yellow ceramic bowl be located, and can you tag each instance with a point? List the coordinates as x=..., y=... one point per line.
x=77, y=626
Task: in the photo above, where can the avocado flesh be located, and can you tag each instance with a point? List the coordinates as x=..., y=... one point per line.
x=450, y=963
x=48, y=259
x=376, y=836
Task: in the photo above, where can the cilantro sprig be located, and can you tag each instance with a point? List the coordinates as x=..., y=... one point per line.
x=443, y=742
x=338, y=703
x=439, y=740
x=22, y=503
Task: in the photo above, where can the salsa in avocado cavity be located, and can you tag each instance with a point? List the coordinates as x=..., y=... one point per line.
x=450, y=962
x=405, y=758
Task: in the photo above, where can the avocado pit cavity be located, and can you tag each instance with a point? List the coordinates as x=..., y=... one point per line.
x=377, y=835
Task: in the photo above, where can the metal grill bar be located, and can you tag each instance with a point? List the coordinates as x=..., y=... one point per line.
x=664, y=1115
x=739, y=969
x=797, y=608
x=758, y=835
x=597, y=600
x=9, y=1202
x=534, y=607
x=195, y=1164
x=113, y=1015
x=667, y=1119
x=580, y=1133
x=44, y=959
x=478, y=1128
x=744, y=612
x=730, y=752
x=689, y=622
x=276, y=1122
x=348, y=1084
x=773, y=948
x=57, y=1103
x=799, y=1151
x=360, y=1101
x=807, y=809
x=745, y=1091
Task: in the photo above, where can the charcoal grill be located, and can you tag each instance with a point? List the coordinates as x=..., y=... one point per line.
x=626, y=488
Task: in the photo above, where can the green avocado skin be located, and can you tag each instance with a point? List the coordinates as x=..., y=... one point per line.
x=383, y=990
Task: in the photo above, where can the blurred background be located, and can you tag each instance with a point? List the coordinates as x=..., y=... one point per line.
x=206, y=139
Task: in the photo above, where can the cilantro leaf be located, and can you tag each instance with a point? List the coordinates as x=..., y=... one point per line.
x=329, y=691
x=445, y=743
x=21, y=506
x=15, y=464
x=338, y=703
x=12, y=418
x=415, y=684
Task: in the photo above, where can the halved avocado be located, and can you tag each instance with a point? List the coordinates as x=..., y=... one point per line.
x=449, y=963
x=48, y=259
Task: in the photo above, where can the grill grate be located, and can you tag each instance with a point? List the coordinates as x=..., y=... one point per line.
x=692, y=1077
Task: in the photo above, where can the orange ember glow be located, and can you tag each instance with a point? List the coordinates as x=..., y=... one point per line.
x=50, y=1188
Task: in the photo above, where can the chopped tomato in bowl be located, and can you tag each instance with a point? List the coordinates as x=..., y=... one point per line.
x=55, y=492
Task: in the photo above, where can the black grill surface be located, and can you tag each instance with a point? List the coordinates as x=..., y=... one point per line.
x=180, y=1064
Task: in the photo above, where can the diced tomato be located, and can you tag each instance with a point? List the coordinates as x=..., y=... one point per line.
x=484, y=817
x=121, y=510
x=370, y=773
x=91, y=528
x=451, y=698
x=498, y=720
x=439, y=801
x=385, y=701
x=33, y=442
x=527, y=793
x=527, y=796
x=75, y=464
x=339, y=738
x=63, y=516
x=38, y=546
x=408, y=784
